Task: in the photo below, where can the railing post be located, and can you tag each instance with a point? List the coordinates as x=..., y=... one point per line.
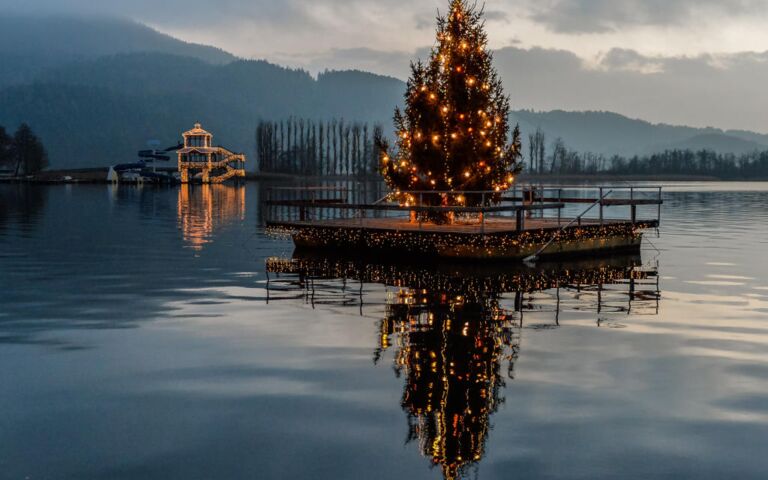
x=658, y=215
x=559, y=209
x=601, y=206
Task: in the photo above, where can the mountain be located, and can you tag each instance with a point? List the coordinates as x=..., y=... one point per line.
x=31, y=44
x=720, y=143
x=613, y=134
x=96, y=90
x=100, y=112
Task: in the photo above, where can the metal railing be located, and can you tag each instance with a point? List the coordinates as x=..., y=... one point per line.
x=558, y=204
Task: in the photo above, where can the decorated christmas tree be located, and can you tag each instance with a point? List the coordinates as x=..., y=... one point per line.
x=453, y=136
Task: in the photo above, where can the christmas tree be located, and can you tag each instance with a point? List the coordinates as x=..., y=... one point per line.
x=453, y=135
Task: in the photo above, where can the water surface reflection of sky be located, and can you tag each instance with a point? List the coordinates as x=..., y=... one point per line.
x=138, y=339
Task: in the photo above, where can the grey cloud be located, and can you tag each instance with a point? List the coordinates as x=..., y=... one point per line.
x=390, y=63
x=630, y=60
x=186, y=12
x=598, y=16
x=496, y=16
x=723, y=91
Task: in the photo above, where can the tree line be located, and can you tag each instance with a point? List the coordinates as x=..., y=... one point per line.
x=302, y=146
x=23, y=153
x=565, y=161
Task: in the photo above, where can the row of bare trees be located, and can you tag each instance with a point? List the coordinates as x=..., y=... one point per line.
x=302, y=146
x=566, y=161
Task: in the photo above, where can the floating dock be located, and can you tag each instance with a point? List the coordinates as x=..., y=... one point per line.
x=513, y=229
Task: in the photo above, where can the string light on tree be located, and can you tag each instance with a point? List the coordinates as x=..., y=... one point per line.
x=441, y=96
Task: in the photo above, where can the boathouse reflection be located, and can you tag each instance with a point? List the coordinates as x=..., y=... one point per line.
x=203, y=208
x=455, y=330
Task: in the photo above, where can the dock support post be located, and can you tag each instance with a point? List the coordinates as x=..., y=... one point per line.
x=520, y=219
x=421, y=204
x=482, y=215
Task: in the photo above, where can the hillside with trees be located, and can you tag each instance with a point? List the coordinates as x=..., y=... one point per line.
x=100, y=112
x=97, y=90
x=609, y=134
x=22, y=153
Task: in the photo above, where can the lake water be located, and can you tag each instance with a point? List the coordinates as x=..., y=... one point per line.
x=144, y=334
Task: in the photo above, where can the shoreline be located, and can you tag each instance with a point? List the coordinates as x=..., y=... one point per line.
x=99, y=176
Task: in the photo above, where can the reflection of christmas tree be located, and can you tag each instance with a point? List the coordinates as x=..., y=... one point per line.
x=451, y=333
x=453, y=134
x=451, y=352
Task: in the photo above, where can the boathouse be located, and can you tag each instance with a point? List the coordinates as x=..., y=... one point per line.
x=201, y=160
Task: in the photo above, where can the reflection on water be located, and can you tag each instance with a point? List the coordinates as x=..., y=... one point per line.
x=21, y=204
x=452, y=328
x=142, y=338
x=203, y=208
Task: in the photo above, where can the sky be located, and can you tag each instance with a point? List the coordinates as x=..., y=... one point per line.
x=669, y=42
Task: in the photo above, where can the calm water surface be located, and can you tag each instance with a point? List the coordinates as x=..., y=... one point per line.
x=161, y=334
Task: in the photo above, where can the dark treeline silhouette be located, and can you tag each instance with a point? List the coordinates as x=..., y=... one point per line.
x=23, y=153
x=312, y=147
x=562, y=160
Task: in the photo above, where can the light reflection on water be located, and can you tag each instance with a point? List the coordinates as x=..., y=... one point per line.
x=140, y=337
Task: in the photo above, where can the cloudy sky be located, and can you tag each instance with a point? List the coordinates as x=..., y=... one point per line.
x=696, y=46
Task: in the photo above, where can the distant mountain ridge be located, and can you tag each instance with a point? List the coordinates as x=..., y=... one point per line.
x=31, y=44
x=609, y=134
x=96, y=90
x=100, y=112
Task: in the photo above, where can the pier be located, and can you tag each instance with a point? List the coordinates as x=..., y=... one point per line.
x=528, y=222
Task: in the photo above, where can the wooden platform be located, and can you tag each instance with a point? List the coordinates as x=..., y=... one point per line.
x=492, y=239
x=492, y=225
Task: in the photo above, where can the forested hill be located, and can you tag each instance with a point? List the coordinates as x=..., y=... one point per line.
x=31, y=44
x=610, y=134
x=100, y=112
